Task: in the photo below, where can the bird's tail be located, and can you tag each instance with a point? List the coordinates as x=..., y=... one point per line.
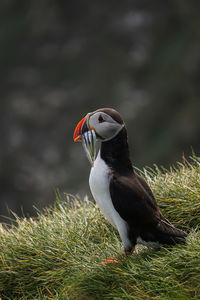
x=167, y=234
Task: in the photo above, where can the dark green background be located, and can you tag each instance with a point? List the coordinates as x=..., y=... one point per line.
x=62, y=59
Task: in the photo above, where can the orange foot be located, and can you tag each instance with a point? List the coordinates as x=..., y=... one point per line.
x=110, y=260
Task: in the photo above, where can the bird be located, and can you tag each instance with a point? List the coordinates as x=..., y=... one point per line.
x=123, y=196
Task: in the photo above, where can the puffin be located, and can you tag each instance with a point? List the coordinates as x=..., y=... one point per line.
x=123, y=196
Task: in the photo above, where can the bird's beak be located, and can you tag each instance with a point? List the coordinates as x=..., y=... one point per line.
x=78, y=130
x=83, y=133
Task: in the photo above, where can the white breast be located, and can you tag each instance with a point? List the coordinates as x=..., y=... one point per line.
x=99, y=182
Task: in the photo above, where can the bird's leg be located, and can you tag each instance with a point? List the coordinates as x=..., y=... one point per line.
x=111, y=260
x=129, y=252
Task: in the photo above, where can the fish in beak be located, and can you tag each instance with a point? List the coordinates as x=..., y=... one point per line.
x=83, y=133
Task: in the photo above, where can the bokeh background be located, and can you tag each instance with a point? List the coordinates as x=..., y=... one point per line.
x=61, y=59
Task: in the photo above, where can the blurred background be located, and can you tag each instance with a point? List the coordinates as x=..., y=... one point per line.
x=62, y=59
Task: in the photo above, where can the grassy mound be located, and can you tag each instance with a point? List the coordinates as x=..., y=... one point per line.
x=58, y=255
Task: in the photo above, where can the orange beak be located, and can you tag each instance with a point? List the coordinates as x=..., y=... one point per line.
x=78, y=131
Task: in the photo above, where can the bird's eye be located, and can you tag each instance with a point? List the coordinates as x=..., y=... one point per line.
x=101, y=119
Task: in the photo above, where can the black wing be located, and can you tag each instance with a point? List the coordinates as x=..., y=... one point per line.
x=133, y=200
x=135, y=203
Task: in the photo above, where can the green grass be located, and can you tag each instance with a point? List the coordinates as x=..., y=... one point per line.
x=58, y=254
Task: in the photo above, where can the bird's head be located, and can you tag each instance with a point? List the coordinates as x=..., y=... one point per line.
x=103, y=124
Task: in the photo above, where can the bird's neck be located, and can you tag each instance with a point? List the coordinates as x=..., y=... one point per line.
x=115, y=153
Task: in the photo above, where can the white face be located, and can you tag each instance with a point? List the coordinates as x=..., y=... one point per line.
x=105, y=126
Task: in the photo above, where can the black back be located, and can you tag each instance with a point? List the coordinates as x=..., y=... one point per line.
x=115, y=153
x=133, y=198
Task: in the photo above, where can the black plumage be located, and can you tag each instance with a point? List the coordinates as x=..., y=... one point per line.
x=132, y=197
x=123, y=196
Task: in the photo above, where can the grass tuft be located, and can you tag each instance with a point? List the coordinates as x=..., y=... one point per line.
x=58, y=254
